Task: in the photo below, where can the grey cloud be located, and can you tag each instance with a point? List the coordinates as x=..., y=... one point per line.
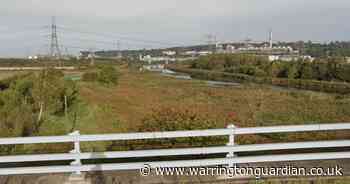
x=179, y=21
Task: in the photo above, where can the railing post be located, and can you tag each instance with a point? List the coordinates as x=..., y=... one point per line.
x=76, y=151
x=231, y=142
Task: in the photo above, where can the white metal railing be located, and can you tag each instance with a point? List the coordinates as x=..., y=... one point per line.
x=76, y=156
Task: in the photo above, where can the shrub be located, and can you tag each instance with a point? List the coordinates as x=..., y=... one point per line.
x=172, y=119
x=107, y=75
x=89, y=76
x=35, y=97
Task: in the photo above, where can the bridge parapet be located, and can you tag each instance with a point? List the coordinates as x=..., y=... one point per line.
x=231, y=149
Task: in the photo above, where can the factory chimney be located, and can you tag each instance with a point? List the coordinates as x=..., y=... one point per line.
x=270, y=39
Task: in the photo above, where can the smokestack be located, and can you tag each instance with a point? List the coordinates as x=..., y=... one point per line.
x=270, y=39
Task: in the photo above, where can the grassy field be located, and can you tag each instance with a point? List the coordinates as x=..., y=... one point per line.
x=124, y=107
x=138, y=94
x=7, y=74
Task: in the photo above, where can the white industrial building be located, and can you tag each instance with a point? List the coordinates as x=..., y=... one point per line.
x=33, y=57
x=289, y=58
x=169, y=53
x=153, y=68
x=150, y=59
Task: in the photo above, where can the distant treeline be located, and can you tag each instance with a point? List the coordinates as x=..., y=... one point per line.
x=327, y=49
x=328, y=69
x=323, y=86
x=21, y=62
x=78, y=63
x=320, y=50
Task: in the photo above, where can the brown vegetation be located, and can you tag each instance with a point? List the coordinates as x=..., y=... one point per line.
x=140, y=96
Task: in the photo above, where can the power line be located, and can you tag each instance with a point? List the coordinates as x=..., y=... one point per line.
x=71, y=46
x=114, y=37
x=129, y=42
x=115, y=45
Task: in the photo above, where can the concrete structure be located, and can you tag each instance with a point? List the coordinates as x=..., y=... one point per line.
x=169, y=53
x=204, y=53
x=153, y=68
x=219, y=48
x=289, y=58
x=193, y=53
x=190, y=53
x=33, y=57
x=348, y=60
x=270, y=40
x=150, y=59
x=273, y=58
x=230, y=49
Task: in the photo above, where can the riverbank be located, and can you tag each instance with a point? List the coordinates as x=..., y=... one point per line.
x=313, y=85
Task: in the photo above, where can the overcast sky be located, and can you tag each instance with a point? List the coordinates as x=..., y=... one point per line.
x=161, y=23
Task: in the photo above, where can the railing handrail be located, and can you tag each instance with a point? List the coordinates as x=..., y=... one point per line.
x=293, y=128
x=174, y=134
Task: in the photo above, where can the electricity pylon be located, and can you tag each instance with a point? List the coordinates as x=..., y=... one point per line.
x=55, y=52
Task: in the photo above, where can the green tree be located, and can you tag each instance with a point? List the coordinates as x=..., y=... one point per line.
x=343, y=73
x=307, y=72
x=293, y=71
x=275, y=69
x=108, y=75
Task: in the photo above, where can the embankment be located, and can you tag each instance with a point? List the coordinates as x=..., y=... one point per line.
x=314, y=85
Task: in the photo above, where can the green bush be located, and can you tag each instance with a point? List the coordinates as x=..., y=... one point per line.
x=173, y=119
x=107, y=75
x=89, y=76
x=35, y=97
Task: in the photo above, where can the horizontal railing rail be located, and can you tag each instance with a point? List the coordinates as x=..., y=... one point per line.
x=174, y=134
x=179, y=163
x=177, y=151
x=293, y=128
x=230, y=150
